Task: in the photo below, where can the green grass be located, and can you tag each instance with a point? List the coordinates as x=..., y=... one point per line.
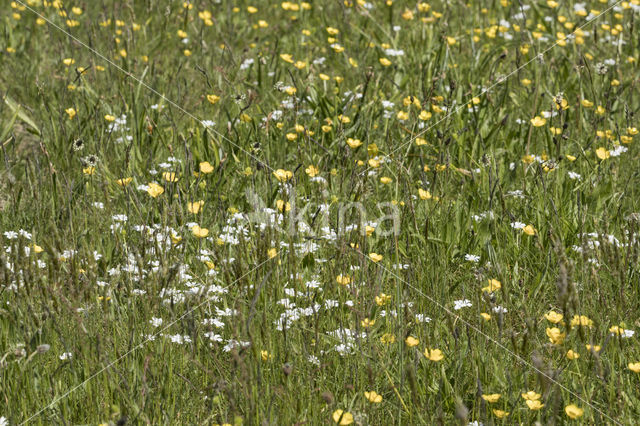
x=406, y=130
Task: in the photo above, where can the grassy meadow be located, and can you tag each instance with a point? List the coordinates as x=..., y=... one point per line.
x=316, y=213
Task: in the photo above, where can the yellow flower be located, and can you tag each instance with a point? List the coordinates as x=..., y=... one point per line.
x=265, y=355
x=538, y=121
x=553, y=316
x=555, y=335
x=282, y=206
x=534, y=404
x=170, y=176
x=572, y=355
x=124, y=181
x=573, y=411
x=373, y=396
x=602, y=153
x=582, y=320
x=342, y=417
x=385, y=180
x=199, y=232
x=375, y=257
x=434, y=355
x=312, y=171
x=353, y=143
x=594, y=348
x=283, y=175
x=531, y=396
x=71, y=112
x=89, y=170
x=195, y=207
x=529, y=230
x=291, y=136
x=343, y=279
x=213, y=99
x=205, y=167
x=286, y=57
x=411, y=341
x=500, y=413
x=493, y=286
x=634, y=366
x=252, y=9
x=491, y=398
x=486, y=316
x=586, y=103
x=424, y=115
x=272, y=252
x=402, y=115
x=110, y=118
x=154, y=189
x=382, y=299
x=424, y=194
x=451, y=41
x=616, y=329
x=300, y=64
x=36, y=248
x=366, y=323
x=384, y=62
x=387, y=338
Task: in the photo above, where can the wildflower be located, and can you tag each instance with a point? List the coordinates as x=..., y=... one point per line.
x=572, y=355
x=375, y=257
x=387, y=338
x=265, y=355
x=411, y=341
x=385, y=180
x=195, y=207
x=485, y=316
x=538, y=121
x=343, y=279
x=353, y=143
x=154, y=189
x=529, y=230
x=89, y=170
x=213, y=99
x=554, y=317
x=534, y=404
x=170, y=176
x=500, y=413
x=312, y=171
x=581, y=320
x=594, y=348
x=434, y=355
x=124, y=181
x=491, y=398
x=373, y=397
x=493, y=286
x=634, y=366
x=366, y=323
x=573, y=411
x=199, y=232
x=342, y=417
x=556, y=337
x=283, y=175
x=602, y=153
x=382, y=299
x=110, y=117
x=384, y=62
x=205, y=167
x=71, y=112
x=531, y=396
x=424, y=194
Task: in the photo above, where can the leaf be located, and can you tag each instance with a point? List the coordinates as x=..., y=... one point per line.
x=21, y=114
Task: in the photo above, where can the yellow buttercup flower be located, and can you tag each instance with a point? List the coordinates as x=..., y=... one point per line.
x=283, y=175
x=195, y=207
x=555, y=335
x=375, y=257
x=434, y=355
x=531, y=395
x=634, y=366
x=342, y=417
x=534, y=404
x=170, y=176
x=554, y=317
x=573, y=411
x=373, y=396
x=343, y=279
x=572, y=355
x=205, y=167
x=493, y=286
x=500, y=413
x=199, y=232
x=411, y=341
x=154, y=189
x=491, y=398
x=124, y=181
x=538, y=121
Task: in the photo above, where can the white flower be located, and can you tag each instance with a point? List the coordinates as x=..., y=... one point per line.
x=472, y=258
x=4, y=421
x=155, y=322
x=518, y=225
x=459, y=304
x=65, y=355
